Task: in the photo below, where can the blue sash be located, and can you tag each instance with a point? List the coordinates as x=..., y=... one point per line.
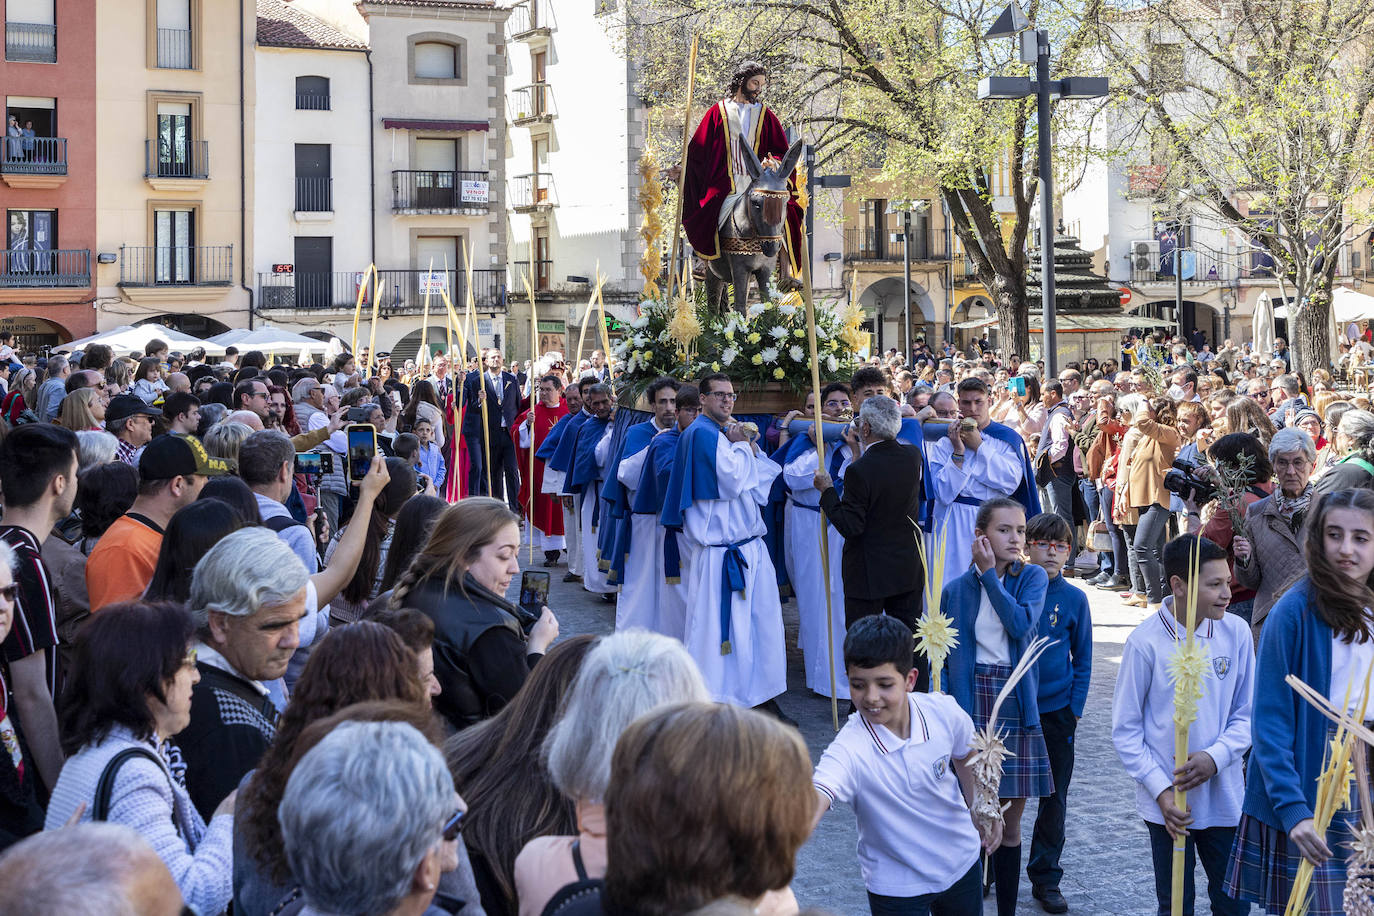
x=732, y=569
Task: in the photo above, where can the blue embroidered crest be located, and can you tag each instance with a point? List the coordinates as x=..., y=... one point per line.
x=941, y=767
x=1054, y=617
x=1221, y=666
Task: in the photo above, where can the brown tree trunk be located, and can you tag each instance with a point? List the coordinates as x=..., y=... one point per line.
x=1013, y=328
x=1311, y=332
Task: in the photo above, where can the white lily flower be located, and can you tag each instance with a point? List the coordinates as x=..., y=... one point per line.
x=832, y=364
x=728, y=356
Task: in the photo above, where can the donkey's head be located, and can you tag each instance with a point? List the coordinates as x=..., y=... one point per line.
x=768, y=191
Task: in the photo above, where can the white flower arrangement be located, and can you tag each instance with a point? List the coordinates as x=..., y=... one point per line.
x=778, y=332
x=769, y=354
x=795, y=352
x=727, y=356
x=757, y=309
x=787, y=311
x=832, y=364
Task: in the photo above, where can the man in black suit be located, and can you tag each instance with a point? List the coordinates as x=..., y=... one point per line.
x=877, y=515
x=502, y=395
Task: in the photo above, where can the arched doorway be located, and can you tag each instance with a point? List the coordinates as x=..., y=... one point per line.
x=34, y=335
x=973, y=308
x=1195, y=316
x=884, y=299
x=201, y=326
x=436, y=339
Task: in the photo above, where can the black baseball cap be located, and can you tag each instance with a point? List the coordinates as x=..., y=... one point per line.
x=124, y=406
x=172, y=455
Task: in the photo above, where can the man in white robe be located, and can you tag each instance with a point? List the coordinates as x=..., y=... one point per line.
x=734, y=626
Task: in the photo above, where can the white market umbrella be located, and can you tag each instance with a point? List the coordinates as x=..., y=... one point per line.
x=269, y=340
x=1262, y=326
x=127, y=339
x=1347, y=305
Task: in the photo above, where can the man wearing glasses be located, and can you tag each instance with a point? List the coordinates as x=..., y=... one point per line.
x=719, y=480
x=253, y=395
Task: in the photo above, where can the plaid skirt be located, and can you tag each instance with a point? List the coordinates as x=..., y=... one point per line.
x=1026, y=772
x=1264, y=863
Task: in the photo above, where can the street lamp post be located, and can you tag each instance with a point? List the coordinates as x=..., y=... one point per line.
x=814, y=181
x=1035, y=48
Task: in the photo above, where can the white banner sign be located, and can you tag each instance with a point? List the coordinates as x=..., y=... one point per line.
x=473, y=192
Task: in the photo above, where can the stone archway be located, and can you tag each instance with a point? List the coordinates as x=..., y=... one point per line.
x=973, y=308
x=202, y=326
x=884, y=299
x=33, y=334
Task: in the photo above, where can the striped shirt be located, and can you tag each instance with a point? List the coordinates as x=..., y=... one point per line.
x=35, y=610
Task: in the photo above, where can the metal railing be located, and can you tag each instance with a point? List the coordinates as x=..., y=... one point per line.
x=31, y=42
x=181, y=265
x=529, y=17
x=174, y=49
x=26, y=269
x=402, y=291
x=1197, y=267
x=312, y=101
x=33, y=155
x=437, y=191
x=533, y=191
x=185, y=160
x=541, y=278
x=874, y=245
x=314, y=195
x=532, y=103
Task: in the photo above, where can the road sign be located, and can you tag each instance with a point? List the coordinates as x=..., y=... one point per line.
x=1125, y=296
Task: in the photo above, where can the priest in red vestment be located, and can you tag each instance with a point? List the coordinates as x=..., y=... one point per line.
x=546, y=528
x=716, y=174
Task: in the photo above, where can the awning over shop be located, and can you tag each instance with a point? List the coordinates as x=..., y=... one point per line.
x=433, y=124
x=1070, y=322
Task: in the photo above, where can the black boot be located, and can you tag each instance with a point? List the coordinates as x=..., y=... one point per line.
x=550, y=558
x=1006, y=873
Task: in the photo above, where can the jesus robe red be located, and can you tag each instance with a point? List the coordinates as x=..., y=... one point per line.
x=710, y=179
x=548, y=513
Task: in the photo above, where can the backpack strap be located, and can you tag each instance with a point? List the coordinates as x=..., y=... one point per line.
x=577, y=860
x=100, y=804
x=280, y=523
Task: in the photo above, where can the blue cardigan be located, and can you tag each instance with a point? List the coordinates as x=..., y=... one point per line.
x=1288, y=735
x=1018, y=600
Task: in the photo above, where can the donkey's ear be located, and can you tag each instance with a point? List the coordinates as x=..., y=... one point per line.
x=789, y=161
x=751, y=159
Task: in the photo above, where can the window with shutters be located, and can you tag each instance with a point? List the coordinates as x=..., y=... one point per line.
x=437, y=58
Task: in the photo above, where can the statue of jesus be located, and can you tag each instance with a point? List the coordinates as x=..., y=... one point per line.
x=716, y=172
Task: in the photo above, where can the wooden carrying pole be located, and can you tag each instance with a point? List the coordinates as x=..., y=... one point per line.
x=592, y=301
x=682, y=164
x=534, y=389
x=424, y=322
x=471, y=312
x=817, y=433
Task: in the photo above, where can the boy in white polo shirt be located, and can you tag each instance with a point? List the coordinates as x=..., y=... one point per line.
x=1143, y=724
x=901, y=763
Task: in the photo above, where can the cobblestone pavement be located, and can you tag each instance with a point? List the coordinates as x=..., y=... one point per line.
x=1106, y=857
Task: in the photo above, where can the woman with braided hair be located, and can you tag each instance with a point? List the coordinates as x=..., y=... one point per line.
x=483, y=644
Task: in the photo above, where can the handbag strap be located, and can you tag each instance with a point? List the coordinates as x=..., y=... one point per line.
x=577, y=860
x=104, y=789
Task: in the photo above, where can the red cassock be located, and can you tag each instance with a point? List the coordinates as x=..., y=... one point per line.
x=709, y=180
x=548, y=514
x=455, y=487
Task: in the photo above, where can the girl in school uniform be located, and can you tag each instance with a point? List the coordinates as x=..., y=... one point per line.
x=996, y=606
x=1322, y=631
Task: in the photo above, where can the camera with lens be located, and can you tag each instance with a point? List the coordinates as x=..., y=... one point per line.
x=1190, y=480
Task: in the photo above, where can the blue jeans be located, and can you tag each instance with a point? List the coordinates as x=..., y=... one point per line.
x=1213, y=844
x=1120, y=557
x=1151, y=531
x=963, y=898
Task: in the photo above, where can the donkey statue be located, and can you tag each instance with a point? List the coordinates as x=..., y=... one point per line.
x=752, y=234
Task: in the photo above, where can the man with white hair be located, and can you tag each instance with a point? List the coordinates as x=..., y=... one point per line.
x=248, y=595
x=370, y=820
x=308, y=396
x=90, y=869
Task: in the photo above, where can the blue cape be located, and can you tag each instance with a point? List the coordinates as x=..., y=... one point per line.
x=546, y=448
x=653, y=487
x=584, y=469
x=613, y=538
x=694, y=471
x=1026, y=493
x=562, y=457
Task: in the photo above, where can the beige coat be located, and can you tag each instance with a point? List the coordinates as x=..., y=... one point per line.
x=1276, y=559
x=1151, y=455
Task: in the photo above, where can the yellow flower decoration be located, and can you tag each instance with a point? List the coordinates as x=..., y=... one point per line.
x=754, y=337
x=715, y=367
x=779, y=374
x=757, y=359
x=799, y=332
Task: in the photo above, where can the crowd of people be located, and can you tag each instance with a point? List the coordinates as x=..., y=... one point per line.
x=204, y=592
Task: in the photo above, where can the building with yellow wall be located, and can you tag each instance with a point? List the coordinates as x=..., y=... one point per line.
x=174, y=117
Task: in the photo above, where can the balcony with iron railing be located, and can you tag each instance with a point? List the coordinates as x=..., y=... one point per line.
x=1197, y=268
x=531, y=192
x=174, y=49
x=28, y=269
x=314, y=194
x=178, y=167
x=539, y=272
x=428, y=191
x=402, y=292
x=312, y=101
x=883, y=245
x=30, y=42
x=176, y=266
x=33, y=162
x=530, y=19
x=532, y=104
